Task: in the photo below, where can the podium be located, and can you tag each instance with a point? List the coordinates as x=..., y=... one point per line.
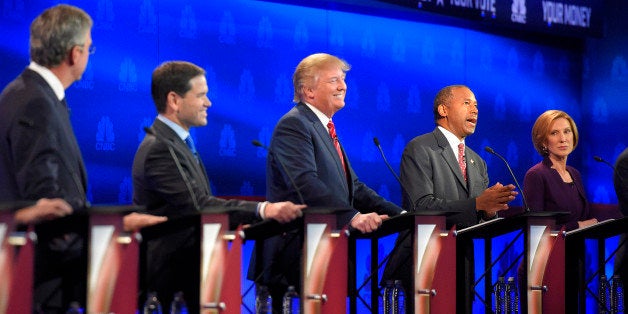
x=577, y=283
x=16, y=262
x=433, y=265
x=113, y=261
x=540, y=265
x=221, y=259
x=325, y=261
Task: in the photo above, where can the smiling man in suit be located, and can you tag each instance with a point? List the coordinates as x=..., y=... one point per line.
x=305, y=141
x=169, y=178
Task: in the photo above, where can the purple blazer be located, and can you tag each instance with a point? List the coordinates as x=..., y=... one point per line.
x=546, y=191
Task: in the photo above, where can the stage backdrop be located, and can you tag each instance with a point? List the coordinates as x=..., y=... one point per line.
x=399, y=59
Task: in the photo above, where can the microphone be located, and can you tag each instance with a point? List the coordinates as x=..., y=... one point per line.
x=177, y=162
x=600, y=159
x=376, y=142
x=523, y=197
x=283, y=166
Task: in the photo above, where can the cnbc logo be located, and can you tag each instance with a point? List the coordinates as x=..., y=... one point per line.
x=105, y=138
x=518, y=14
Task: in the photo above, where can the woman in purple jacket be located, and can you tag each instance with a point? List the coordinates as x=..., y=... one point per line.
x=552, y=185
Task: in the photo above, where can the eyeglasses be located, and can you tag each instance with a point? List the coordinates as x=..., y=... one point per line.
x=91, y=50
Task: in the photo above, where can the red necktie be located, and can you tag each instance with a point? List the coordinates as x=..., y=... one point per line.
x=332, y=133
x=461, y=163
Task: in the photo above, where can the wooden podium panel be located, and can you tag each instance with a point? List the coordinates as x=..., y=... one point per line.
x=325, y=265
x=16, y=267
x=221, y=259
x=576, y=280
x=434, y=263
x=543, y=257
x=113, y=263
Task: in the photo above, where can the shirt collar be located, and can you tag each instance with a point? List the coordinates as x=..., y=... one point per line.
x=451, y=139
x=320, y=115
x=181, y=132
x=50, y=78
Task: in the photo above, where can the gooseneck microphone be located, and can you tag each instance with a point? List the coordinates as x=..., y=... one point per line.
x=283, y=166
x=600, y=159
x=523, y=197
x=177, y=162
x=376, y=142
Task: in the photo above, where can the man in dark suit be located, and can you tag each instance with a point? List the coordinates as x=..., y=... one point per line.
x=41, y=157
x=319, y=167
x=432, y=173
x=169, y=178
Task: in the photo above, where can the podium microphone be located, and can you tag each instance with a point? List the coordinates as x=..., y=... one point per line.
x=523, y=197
x=283, y=166
x=376, y=142
x=600, y=159
x=177, y=162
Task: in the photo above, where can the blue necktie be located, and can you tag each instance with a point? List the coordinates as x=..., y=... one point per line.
x=190, y=143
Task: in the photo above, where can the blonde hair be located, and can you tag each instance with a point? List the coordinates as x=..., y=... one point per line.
x=307, y=71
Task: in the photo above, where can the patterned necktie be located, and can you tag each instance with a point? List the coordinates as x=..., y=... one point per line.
x=190, y=143
x=461, y=162
x=332, y=133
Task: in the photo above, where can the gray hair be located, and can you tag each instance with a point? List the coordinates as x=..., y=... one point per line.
x=55, y=31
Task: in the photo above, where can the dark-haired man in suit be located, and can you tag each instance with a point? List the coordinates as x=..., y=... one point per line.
x=442, y=174
x=169, y=178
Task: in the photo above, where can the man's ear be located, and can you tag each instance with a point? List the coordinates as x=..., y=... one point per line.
x=442, y=110
x=74, y=54
x=308, y=92
x=173, y=102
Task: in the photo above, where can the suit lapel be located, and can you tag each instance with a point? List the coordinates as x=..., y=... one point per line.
x=325, y=138
x=181, y=149
x=450, y=158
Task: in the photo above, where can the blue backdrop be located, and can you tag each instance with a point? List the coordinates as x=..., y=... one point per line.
x=399, y=61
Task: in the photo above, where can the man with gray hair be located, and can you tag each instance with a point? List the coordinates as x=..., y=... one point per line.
x=40, y=155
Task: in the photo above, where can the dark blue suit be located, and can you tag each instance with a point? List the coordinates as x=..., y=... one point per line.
x=41, y=158
x=303, y=144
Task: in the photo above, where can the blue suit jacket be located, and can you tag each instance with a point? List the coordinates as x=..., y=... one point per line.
x=303, y=145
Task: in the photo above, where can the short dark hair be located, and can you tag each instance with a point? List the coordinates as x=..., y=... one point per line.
x=55, y=31
x=443, y=97
x=172, y=76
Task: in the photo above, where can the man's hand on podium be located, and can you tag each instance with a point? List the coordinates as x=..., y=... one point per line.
x=283, y=211
x=495, y=198
x=587, y=223
x=44, y=209
x=367, y=222
x=135, y=221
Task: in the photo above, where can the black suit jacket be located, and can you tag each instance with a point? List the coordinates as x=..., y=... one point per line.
x=303, y=145
x=40, y=158
x=168, y=181
x=40, y=154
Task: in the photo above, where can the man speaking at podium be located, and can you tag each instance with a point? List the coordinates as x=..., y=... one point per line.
x=306, y=164
x=441, y=174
